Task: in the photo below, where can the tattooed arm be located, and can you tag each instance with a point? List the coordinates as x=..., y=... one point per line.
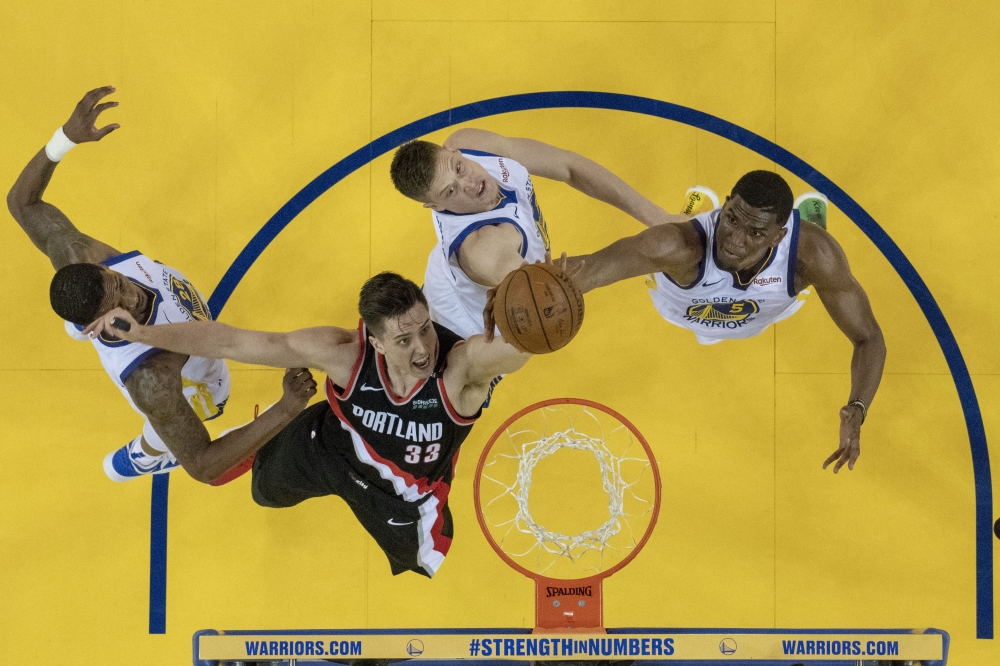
x=156, y=389
x=47, y=227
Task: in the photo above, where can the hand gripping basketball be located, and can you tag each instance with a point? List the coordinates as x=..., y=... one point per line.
x=538, y=308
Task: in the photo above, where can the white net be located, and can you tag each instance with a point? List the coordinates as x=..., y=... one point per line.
x=567, y=491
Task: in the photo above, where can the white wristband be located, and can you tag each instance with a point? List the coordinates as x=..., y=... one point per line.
x=58, y=146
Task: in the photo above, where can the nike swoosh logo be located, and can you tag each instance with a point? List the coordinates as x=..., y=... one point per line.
x=365, y=387
x=709, y=284
x=392, y=522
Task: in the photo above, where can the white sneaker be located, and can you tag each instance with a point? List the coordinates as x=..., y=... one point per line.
x=131, y=462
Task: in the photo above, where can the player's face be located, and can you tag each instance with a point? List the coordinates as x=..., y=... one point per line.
x=461, y=185
x=745, y=234
x=120, y=292
x=410, y=343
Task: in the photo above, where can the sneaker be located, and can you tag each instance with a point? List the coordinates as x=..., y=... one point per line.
x=131, y=462
x=699, y=199
x=812, y=208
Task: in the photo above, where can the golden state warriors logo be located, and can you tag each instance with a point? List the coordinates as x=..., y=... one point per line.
x=187, y=299
x=731, y=314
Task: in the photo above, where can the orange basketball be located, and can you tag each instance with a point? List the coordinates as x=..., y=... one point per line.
x=538, y=308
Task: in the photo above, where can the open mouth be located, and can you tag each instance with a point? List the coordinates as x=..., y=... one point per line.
x=482, y=189
x=423, y=364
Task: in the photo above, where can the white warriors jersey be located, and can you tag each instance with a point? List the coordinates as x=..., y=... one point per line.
x=205, y=381
x=455, y=301
x=717, y=306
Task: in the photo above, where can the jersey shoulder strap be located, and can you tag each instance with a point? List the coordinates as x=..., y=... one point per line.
x=446, y=342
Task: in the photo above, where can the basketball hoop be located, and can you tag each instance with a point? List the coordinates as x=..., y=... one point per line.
x=614, y=520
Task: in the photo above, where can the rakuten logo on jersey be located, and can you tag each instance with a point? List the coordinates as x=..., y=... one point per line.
x=503, y=170
x=760, y=282
x=148, y=276
x=391, y=424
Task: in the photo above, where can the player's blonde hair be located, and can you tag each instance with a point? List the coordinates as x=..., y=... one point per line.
x=413, y=168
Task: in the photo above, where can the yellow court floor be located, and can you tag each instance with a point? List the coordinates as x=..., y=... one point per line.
x=228, y=109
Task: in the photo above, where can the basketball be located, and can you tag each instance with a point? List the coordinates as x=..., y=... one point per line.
x=538, y=308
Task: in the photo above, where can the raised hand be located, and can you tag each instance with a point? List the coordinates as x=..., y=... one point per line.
x=489, y=321
x=563, y=264
x=851, y=418
x=82, y=125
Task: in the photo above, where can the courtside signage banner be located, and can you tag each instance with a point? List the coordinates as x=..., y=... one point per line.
x=574, y=646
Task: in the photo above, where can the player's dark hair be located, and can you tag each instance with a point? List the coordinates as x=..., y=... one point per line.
x=413, y=168
x=767, y=191
x=77, y=291
x=385, y=296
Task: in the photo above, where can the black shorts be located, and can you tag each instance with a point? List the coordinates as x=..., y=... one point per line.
x=306, y=460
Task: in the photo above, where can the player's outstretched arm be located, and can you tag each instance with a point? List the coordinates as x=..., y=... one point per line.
x=823, y=264
x=674, y=248
x=47, y=227
x=326, y=348
x=585, y=175
x=473, y=365
x=155, y=388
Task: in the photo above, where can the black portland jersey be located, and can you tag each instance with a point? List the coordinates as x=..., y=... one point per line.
x=407, y=445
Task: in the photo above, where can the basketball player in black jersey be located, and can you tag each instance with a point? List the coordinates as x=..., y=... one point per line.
x=402, y=394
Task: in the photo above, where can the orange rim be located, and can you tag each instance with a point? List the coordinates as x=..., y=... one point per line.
x=567, y=401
